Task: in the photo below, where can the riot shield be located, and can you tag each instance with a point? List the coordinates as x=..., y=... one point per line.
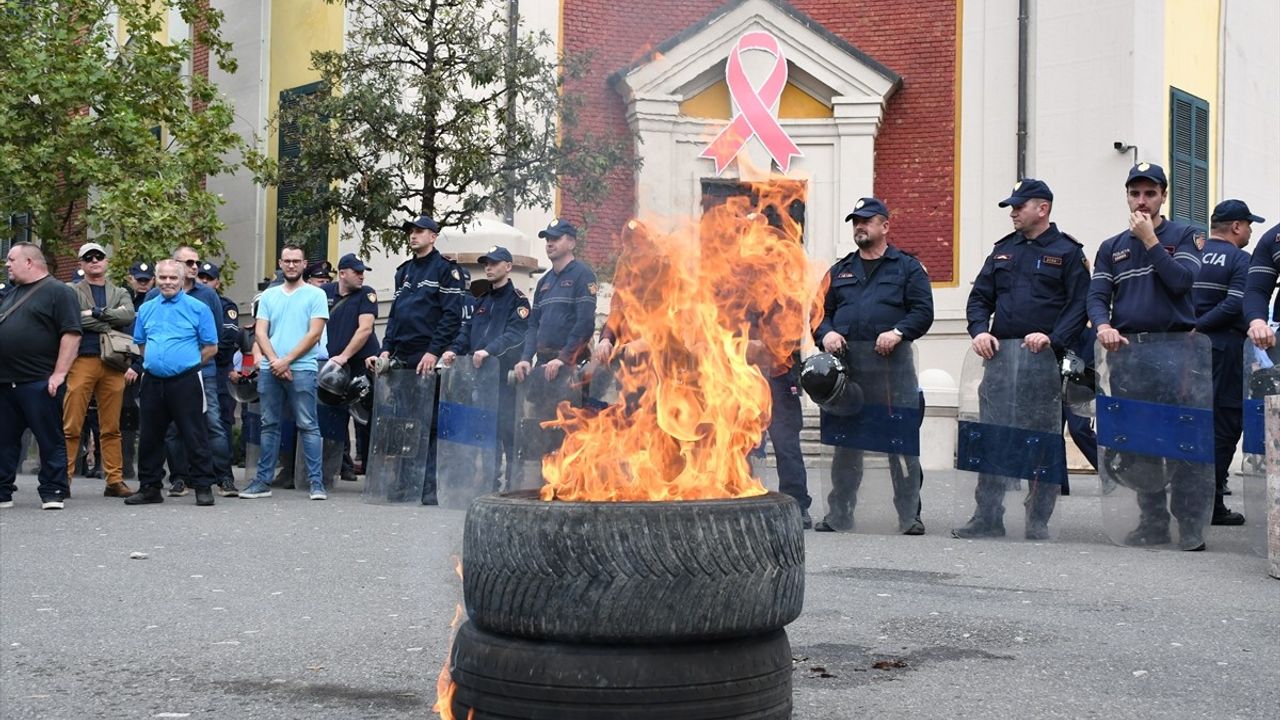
x=1261, y=378
x=1155, y=439
x=536, y=401
x=403, y=407
x=467, y=432
x=875, y=467
x=1009, y=440
x=334, y=425
x=251, y=428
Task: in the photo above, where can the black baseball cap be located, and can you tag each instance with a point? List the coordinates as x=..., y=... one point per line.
x=497, y=253
x=142, y=271
x=209, y=270
x=1229, y=210
x=867, y=207
x=351, y=262
x=1028, y=189
x=558, y=228
x=1147, y=171
x=319, y=269
x=423, y=221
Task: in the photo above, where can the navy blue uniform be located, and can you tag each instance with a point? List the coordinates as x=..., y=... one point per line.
x=563, y=316
x=1219, y=294
x=1264, y=270
x=1139, y=290
x=344, y=320
x=897, y=295
x=1031, y=286
x=427, y=310
x=228, y=344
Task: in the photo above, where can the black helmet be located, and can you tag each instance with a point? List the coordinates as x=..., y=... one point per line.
x=359, y=398
x=825, y=379
x=1140, y=473
x=331, y=384
x=244, y=387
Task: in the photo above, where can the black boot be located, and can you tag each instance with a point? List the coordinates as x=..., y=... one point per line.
x=204, y=495
x=1153, y=525
x=1040, y=502
x=981, y=525
x=146, y=495
x=1223, y=515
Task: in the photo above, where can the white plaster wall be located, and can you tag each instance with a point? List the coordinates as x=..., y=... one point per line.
x=1249, y=115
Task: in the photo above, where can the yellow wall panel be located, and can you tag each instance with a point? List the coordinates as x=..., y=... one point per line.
x=1191, y=54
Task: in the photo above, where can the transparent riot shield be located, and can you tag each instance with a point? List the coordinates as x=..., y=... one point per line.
x=1010, y=452
x=399, y=442
x=536, y=401
x=334, y=425
x=1261, y=378
x=875, y=467
x=467, y=432
x=1155, y=439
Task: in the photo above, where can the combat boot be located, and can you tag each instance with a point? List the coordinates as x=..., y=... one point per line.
x=980, y=525
x=1150, y=531
x=1040, y=502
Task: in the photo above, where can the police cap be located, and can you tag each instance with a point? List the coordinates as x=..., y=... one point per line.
x=1028, y=189
x=867, y=207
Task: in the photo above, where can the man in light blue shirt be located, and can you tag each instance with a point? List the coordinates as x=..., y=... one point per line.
x=290, y=335
x=177, y=335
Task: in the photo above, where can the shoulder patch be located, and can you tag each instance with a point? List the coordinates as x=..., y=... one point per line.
x=372, y=297
x=1198, y=239
x=456, y=275
x=592, y=288
x=232, y=313
x=523, y=312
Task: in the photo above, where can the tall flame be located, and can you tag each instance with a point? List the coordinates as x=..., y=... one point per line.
x=445, y=686
x=702, y=315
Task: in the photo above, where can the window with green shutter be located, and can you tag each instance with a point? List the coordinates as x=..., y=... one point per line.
x=1189, y=156
x=314, y=238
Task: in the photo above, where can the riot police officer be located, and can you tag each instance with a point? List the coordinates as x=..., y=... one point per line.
x=353, y=308
x=228, y=343
x=563, y=315
x=1218, y=294
x=425, y=315
x=1141, y=284
x=140, y=278
x=496, y=332
x=1034, y=283
x=1264, y=274
x=877, y=293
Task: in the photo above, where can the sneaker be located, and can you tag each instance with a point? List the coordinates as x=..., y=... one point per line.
x=228, y=489
x=178, y=489
x=146, y=495
x=204, y=495
x=119, y=490
x=319, y=493
x=979, y=528
x=6, y=503
x=256, y=490
x=51, y=505
x=1227, y=516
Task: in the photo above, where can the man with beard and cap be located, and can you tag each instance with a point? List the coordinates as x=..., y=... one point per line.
x=39, y=340
x=1031, y=290
x=140, y=278
x=177, y=335
x=495, y=333
x=877, y=294
x=352, y=312
x=104, y=307
x=563, y=317
x=228, y=343
x=219, y=441
x=1218, y=294
x=290, y=333
x=1142, y=283
x=425, y=316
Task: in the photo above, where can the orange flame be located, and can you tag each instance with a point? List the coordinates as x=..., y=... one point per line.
x=445, y=686
x=700, y=314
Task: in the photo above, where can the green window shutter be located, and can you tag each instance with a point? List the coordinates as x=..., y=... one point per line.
x=315, y=237
x=1189, y=155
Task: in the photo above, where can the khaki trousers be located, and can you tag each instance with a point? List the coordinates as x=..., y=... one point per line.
x=89, y=377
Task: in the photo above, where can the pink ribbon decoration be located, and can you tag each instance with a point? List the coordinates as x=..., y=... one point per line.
x=754, y=118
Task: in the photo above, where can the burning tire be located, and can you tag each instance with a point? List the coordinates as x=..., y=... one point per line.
x=633, y=572
x=502, y=678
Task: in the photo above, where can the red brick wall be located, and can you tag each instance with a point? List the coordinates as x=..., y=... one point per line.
x=915, y=151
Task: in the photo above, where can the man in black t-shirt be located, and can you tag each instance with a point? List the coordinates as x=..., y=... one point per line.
x=39, y=339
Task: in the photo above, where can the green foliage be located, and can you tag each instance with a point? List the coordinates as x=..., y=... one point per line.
x=432, y=109
x=80, y=111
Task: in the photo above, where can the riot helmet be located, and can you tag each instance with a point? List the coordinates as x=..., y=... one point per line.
x=244, y=386
x=359, y=399
x=1080, y=384
x=1140, y=473
x=826, y=380
x=331, y=383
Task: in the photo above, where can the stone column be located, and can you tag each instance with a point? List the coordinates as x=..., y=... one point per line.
x=1273, y=485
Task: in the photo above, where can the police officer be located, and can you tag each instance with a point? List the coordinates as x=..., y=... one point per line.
x=1218, y=294
x=496, y=333
x=1142, y=283
x=1264, y=275
x=882, y=294
x=1034, y=282
x=228, y=343
x=140, y=277
x=318, y=273
x=425, y=315
x=352, y=312
x=564, y=307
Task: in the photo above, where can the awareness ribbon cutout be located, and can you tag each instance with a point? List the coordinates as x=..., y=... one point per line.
x=754, y=116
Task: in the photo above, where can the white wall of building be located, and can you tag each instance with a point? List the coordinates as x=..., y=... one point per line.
x=1249, y=117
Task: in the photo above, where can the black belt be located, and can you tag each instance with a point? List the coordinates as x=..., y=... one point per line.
x=1151, y=337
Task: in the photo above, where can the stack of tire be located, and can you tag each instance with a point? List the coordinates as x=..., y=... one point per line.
x=599, y=611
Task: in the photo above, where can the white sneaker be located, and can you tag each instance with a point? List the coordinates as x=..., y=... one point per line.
x=6, y=504
x=51, y=505
x=319, y=495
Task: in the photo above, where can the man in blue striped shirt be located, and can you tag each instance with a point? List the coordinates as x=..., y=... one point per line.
x=177, y=335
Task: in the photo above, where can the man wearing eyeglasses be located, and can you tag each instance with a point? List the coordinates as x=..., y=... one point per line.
x=103, y=307
x=219, y=447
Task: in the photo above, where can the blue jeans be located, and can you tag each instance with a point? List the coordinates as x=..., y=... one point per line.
x=28, y=405
x=219, y=440
x=301, y=396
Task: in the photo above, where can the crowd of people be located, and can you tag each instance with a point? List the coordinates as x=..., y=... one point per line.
x=138, y=361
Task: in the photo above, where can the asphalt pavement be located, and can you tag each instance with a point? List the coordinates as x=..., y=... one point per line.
x=288, y=608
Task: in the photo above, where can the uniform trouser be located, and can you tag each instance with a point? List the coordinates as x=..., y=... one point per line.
x=505, y=463
x=129, y=430
x=784, y=433
x=300, y=394
x=411, y=360
x=29, y=406
x=90, y=377
x=180, y=465
x=846, y=478
x=1228, y=413
x=167, y=402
